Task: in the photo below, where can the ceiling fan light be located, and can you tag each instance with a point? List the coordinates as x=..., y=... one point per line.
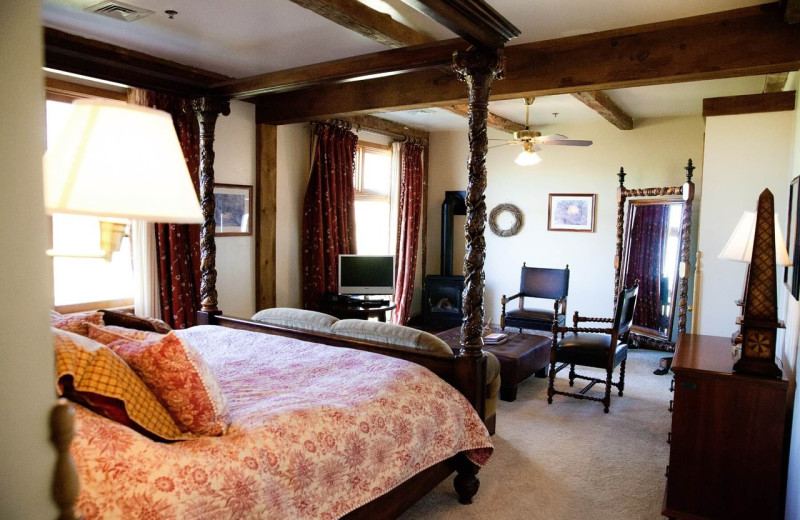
x=526, y=158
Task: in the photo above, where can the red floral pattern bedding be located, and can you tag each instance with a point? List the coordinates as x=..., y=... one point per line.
x=316, y=432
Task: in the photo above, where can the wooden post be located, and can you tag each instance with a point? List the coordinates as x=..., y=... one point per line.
x=207, y=109
x=65, y=478
x=478, y=68
x=686, y=236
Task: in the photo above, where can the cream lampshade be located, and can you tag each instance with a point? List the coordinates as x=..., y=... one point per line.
x=740, y=245
x=113, y=159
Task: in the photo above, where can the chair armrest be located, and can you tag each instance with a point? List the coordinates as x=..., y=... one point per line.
x=577, y=319
x=503, y=302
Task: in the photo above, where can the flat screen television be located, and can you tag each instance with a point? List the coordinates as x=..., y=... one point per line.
x=366, y=274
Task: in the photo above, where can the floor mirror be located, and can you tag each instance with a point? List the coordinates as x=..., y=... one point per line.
x=653, y=247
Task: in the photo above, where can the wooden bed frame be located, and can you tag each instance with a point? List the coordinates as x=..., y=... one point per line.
x=466, y=371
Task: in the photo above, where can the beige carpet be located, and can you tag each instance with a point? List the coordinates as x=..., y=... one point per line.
x=569, y=460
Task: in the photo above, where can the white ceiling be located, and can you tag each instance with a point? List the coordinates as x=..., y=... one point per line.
x=247, y=37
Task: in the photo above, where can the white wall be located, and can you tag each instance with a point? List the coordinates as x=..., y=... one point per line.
x=27, y=385
x=743, y=155
x=294, y=161
x=653, y=154
x=235, y=149
x=790, y=355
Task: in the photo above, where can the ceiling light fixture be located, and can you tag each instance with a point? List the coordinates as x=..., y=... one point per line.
x=528, y=155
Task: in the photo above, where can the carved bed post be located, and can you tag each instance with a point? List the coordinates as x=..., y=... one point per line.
x=207, y=110
x=478, y=68
x=686, y=232
x=621, y=196
x=65, y=478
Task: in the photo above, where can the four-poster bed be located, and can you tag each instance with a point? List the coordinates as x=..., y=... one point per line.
x=466, y=371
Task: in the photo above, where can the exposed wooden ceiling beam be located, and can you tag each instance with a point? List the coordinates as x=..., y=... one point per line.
x=602, y=104
x=689, y=49
x=493, y=121
x=366, y=21
x=749, y=104
x=474, y=20
x=368, y=65
x=108, y=62
x=375, y=26
x=775, y=82
x=792, y=13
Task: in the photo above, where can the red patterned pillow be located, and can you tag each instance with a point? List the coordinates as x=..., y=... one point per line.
x=109, y=333
x=181, y=380
x=89, y=373
x=76, y=323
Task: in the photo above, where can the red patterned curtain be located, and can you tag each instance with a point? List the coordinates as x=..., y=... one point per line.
x=329, y=226
x=178, y=245
x=645, y=262
x=409, y=214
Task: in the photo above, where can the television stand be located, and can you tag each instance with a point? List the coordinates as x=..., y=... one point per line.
x=357, y=308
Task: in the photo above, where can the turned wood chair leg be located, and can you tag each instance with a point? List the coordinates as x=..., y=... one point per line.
x=551, y=384
x=622, y=377
x=572, y=374
x=607, y=398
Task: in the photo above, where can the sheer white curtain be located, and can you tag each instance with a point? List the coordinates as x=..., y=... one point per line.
x=394, y=194
x=146, y=300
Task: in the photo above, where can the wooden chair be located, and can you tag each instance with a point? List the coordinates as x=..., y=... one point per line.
x=538, y=282
x=594, y=347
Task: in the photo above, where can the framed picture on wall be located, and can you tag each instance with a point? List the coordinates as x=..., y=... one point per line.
x=791, y=274
x=571, y=212
x=234, y=210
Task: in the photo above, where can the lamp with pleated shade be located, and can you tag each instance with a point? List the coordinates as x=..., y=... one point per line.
x=118, y=161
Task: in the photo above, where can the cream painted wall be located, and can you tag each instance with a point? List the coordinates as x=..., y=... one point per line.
x=235, y=148
x=294, y=161
x=26, y=457
x=732, y=183
x=653, y=154
x=790, y=355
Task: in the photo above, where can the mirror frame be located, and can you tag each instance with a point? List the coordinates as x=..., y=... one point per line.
x=634, y=204
x=686, y=193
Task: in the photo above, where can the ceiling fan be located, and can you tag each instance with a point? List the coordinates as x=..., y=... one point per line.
x=530, y=140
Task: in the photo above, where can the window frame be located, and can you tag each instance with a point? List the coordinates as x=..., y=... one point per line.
x=362, y=148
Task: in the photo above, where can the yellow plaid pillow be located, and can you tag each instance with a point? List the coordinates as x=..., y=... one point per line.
x=92, y=374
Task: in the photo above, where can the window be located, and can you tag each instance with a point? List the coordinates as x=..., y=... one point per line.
x=374, y=195
x=82, y=278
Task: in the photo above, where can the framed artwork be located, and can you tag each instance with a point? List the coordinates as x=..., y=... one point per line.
x=571, y=212
x=791, y=274
x=234, y=207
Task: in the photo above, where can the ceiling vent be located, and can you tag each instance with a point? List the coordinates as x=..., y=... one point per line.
x=119, y=10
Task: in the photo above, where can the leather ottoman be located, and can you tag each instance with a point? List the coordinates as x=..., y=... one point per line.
x=521, y=356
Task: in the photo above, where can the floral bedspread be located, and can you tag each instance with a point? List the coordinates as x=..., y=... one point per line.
x=316, y=432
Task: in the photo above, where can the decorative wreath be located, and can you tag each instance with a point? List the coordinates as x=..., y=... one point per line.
x=515, y=226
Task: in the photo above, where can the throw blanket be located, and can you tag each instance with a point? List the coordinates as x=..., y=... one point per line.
x=316, y=432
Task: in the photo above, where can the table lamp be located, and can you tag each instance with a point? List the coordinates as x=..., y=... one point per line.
x=113, y=159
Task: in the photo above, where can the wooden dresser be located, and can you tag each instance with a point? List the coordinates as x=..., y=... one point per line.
x=727, y=439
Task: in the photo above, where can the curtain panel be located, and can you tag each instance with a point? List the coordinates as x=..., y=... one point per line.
x=178, y=245
x=645, y=263
x=408, y=224
x=328, y=211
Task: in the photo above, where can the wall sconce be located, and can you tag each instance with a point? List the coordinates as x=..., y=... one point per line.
x=122, y=161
